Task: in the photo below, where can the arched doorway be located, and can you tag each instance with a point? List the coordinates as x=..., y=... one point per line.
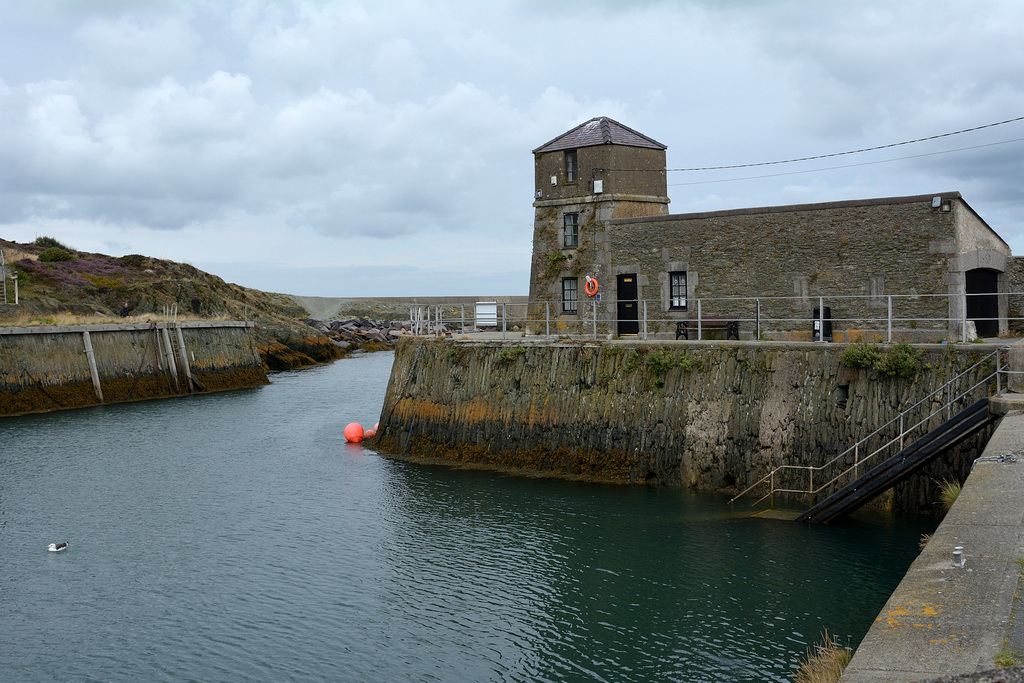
x=983, y=300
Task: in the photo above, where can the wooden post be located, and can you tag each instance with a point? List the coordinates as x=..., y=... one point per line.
x=169, y=355
x=183, y=356
x=93, y=372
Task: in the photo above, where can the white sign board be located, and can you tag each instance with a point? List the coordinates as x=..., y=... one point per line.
x=486, y=313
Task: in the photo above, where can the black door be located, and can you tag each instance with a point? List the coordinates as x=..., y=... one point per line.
x=983, y=301
x=625, y=293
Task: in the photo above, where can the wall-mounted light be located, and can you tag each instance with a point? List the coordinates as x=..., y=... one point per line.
x=946, y=206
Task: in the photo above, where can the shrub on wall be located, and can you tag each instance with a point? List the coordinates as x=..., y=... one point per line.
x=902, y=360
x=860, y=355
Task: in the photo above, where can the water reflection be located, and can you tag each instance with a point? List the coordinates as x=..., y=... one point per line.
x=238, y=536
x=626, y=584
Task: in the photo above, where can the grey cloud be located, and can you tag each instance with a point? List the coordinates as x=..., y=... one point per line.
x=413, y=123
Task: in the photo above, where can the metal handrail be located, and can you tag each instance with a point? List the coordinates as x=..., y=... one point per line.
x=811, y=491
x=884, y=315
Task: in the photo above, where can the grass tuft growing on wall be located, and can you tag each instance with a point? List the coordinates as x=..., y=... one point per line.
x=825, y=662
x=1006, y=659
x=949, y=492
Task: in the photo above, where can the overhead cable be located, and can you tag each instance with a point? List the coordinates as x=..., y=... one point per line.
x=832, y=168
x=853, y=151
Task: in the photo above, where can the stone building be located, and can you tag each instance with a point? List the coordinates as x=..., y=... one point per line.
x=910, y=267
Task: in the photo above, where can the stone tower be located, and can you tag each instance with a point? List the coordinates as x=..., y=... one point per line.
x=599, y=171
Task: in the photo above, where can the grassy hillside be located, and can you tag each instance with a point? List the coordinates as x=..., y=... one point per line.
x=59, y=285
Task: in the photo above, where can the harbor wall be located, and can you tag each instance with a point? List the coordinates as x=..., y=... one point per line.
x=704, y=415
x=59, y=367
x=950, y=619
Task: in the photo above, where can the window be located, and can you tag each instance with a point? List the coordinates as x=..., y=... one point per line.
x=677, y=290
x=571, y=170
x=570, y=294
x=571, y=230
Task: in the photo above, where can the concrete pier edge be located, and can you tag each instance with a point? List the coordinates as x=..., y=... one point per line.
x=947, y=621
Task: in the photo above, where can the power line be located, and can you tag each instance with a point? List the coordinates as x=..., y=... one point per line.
x=831, y=168
x=854, y=151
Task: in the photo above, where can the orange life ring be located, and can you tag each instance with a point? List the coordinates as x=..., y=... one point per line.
x=590, y=287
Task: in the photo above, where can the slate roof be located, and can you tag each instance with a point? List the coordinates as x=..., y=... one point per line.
x=599, y=131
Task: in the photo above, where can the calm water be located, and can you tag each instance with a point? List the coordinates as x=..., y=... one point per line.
x=237, y=537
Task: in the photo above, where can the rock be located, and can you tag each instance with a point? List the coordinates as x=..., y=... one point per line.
x=352, y=333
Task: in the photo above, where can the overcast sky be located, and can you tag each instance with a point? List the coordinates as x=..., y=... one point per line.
x=383, y=148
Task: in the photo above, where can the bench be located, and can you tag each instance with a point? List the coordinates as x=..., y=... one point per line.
x=730, y=325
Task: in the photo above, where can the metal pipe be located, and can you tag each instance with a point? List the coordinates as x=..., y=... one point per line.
x=757, y=319
x=888, y=336
x=821, y=319
x=963, y=318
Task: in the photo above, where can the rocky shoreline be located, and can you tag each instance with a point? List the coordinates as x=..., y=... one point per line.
x=335, y=339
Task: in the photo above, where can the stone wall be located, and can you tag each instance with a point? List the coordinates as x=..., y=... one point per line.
x=847, y=255
x=707, y=416
x=54, y=368
x=868, y=250
x=624, y=171
x=1015, y=285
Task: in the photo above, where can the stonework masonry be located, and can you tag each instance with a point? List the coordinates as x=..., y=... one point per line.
x=772, y=265
x=707, y=416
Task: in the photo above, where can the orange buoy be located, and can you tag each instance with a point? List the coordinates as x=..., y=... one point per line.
x=353, y=432
x=369, y=433
x=591, y=286
x=376, y=426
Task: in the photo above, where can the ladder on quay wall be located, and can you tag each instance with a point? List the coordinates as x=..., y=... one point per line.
x=898, y=461
x=950, y=433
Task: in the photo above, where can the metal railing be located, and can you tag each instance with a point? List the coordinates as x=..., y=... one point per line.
x=5, y=274
x=925, y=317
x=855, y=460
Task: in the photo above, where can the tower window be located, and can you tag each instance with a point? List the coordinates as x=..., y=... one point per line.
x=571, y=169
x=570, y=294
x=571, y=230
x=677, y=290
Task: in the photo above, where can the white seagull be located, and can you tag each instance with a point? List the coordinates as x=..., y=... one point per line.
x=57, y=547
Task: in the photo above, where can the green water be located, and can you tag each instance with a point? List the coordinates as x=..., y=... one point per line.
x=237, y=537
